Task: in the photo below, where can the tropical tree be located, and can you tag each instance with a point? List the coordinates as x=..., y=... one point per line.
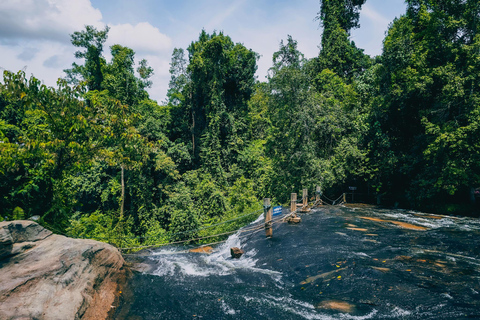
x=429, y=82
x=92, y=41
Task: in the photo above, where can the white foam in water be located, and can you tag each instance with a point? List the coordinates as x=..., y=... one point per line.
x=424, y=219
x=362, y=254
x=260, y=218
x=431, y=313
x=303, y=309
x=425, y=222
x=399, y=313
x=172, y=262
x=446, y=295
x=227, y=309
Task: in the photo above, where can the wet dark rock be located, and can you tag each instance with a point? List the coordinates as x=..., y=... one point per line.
x=320, y=269
x=48, y=276
x=236, y=252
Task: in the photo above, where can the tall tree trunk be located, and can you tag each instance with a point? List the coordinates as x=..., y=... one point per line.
x=193, y=132
x=123, y=195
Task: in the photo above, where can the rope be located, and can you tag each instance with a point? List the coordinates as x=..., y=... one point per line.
x=167, y=234
x=213, y=225
x=333, y=202
x=254, y=228
x=341, y=197
x=327, y=198
x=176, y=242
x=203, y=228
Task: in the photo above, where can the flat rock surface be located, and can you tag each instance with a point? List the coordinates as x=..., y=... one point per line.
x=340, y=262
x=48, y=276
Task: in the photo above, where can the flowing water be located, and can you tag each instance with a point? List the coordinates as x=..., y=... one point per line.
x=342, y=262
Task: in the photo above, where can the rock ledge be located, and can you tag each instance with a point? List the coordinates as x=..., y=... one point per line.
x=48, y=276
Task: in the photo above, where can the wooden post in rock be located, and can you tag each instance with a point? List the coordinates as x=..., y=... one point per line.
x=293, y=202
x=344, y=198
x=292, y=218
x=305, y=201
x=268, y=211
x=317, y=196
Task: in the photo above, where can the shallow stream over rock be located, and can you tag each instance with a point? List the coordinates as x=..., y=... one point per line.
x=342, y=262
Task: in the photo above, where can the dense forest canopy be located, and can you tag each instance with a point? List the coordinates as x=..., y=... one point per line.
x=96, y=157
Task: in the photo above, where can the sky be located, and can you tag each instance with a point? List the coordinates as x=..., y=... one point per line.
x=35, y=34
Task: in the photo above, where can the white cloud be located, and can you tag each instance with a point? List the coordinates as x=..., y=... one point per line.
x=46, y=59
x=45, y=19
x=35, y=36
x=142, y=37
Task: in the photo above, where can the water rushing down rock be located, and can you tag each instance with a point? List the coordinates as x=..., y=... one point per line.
x=347, y=262
x=48, y=276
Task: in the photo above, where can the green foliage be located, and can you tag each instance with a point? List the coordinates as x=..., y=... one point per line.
x=155, y=234
x=338, y=53
x=18, y=214
x=219, y=82
x=53, y=138
x=242, y=195
x=345, y=13
x=102, y=227
x=120, y=79
x=427, y=116
x=317, y=125
x=92, y=41
x=184, y=220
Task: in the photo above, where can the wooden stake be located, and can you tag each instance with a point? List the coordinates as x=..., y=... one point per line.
x=292, y=218
x=305, y=207
x=268, y=211
x=305, y=199
x=317, y=196
x=344, y=198
x=293, y=202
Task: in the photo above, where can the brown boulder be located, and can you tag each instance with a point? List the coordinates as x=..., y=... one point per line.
x=48, y=276
x=294, y=219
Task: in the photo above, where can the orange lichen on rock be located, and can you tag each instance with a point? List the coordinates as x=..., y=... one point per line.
x=408, y=225
x=341, y=306
x=373, y=219
x=358, y=229
x=206, y=249
x=398, y=223
x=381, y=269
